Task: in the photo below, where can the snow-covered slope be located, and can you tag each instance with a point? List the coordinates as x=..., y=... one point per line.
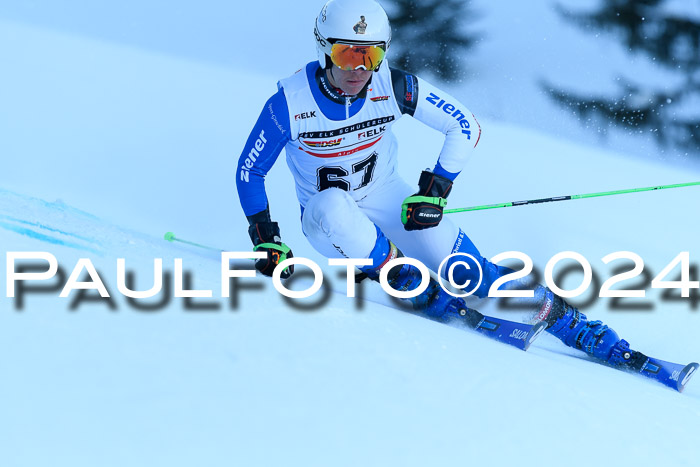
x=264, y=384
x=133, y=144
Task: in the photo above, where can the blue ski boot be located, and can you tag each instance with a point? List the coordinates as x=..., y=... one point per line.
x=434, y=302
x=437, y=305
x=593, y=337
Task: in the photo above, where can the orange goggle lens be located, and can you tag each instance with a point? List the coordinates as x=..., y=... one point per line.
x=354, y=57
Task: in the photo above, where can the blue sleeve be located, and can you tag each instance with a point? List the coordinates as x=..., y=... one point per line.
x=270, y=133
x=440, y=170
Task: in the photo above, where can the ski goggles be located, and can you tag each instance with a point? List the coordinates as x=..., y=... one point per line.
x=357, y=56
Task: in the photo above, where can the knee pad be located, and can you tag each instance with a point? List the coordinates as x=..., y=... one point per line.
x=336, y=227
x=330, y=210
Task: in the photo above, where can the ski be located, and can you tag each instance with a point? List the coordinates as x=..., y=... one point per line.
x=519, y=335
x=673, y=375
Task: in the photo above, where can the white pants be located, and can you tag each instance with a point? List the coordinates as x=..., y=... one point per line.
x=338, y=226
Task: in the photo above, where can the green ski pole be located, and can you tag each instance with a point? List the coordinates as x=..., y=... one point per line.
x=568, y=197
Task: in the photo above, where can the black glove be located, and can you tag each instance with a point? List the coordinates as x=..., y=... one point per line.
x=266, y=238
x=423, y=210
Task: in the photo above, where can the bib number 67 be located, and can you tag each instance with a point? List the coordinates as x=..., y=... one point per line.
x=332, y=177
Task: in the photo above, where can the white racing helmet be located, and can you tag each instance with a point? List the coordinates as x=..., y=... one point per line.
x=361, y=30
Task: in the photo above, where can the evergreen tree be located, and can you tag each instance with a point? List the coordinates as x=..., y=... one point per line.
x=430, y=35
x=672, y=41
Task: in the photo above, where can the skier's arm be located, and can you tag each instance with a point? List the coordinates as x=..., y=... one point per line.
x=437, y=109
x=264, y=145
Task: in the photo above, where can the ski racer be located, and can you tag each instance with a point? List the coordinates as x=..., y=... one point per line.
x=333, y=118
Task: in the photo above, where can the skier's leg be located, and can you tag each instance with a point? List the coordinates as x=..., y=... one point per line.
x=336, y=227
x=430, y=246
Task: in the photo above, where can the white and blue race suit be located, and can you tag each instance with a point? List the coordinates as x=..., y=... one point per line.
x=343, y=155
